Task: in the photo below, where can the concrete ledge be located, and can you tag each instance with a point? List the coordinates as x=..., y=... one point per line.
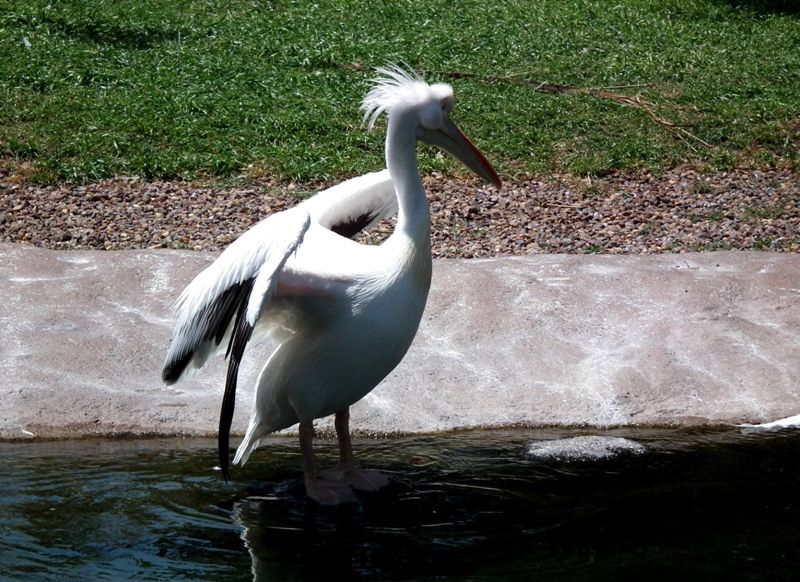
x=594, y=340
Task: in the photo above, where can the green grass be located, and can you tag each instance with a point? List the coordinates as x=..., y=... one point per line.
x=180, y=88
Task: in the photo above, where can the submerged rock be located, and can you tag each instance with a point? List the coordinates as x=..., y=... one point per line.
x=583, y=448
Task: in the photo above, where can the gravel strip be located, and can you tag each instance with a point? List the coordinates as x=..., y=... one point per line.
x=680, y=210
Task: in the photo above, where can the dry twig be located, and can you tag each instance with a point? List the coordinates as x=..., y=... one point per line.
x=600, y=92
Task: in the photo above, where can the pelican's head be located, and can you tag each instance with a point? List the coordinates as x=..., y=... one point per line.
x=402, y=92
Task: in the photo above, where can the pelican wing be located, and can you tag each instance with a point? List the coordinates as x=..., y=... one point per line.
x=238, y=283
x=355, y=204
x=208, y=307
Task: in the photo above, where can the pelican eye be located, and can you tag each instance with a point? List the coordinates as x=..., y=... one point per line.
x=447, y=104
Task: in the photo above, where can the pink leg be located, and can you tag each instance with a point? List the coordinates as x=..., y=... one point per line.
x=346, y=470
x=342, y=424
x=324, y=492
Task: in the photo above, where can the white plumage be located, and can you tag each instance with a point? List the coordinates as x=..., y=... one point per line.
x=342, y=314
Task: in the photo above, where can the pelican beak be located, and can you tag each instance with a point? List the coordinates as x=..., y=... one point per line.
x=452, y=140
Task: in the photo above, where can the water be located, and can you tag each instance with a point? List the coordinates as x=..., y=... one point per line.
x=501, y=505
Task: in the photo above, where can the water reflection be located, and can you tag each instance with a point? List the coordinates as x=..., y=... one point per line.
x=470, y=505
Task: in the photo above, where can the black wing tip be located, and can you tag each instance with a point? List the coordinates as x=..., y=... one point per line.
x=239, y=339
x=352, y=227
x=223, y=444
x=226, y=471
x=216, y=316
x=173, y=371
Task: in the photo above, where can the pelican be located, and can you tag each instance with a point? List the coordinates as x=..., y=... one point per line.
x=341, y=314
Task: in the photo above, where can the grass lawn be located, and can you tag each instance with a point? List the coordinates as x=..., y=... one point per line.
x=184, y=88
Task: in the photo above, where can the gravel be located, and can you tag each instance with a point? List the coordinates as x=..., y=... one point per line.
x=680, y=210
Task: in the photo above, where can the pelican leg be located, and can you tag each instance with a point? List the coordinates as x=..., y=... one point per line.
x=342, y=425
x=323, y=491
x=346, y=471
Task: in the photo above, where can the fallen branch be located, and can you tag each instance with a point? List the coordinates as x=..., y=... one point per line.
x=600, y=92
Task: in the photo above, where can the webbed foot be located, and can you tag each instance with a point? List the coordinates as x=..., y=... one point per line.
x=328, y=492
x=358, y=479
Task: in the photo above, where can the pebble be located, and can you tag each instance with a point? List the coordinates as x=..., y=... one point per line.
x=677, y=211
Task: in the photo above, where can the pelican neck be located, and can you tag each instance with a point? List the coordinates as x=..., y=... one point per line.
x=413, y=215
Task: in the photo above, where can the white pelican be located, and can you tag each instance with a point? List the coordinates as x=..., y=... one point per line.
x=342, y=314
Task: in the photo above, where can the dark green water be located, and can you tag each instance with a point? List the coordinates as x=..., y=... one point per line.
x=675, y=505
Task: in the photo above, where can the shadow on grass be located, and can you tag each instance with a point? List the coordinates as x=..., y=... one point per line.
x=766, y=7
x=121, y=35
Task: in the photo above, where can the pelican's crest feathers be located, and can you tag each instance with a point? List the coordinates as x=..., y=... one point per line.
x=396, y=85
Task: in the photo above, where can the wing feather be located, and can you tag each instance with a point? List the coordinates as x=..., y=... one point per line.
x=207, y=307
